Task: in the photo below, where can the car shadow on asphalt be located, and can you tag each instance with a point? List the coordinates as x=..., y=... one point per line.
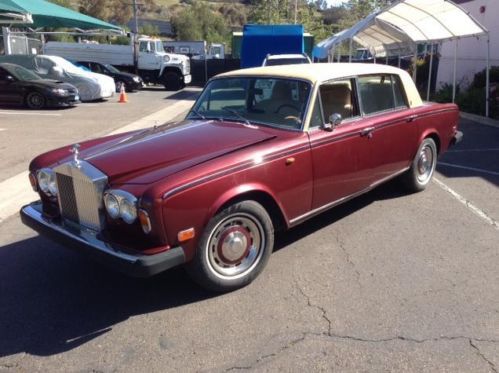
x=390, y=190
x=53, y=300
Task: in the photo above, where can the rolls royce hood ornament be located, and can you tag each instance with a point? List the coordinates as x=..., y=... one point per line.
x=76, y=153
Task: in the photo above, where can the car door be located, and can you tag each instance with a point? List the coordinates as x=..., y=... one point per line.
x=390, y=125
x=10, y=91
x=341, y=155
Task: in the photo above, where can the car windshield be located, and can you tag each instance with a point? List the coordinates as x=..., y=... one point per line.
x=111, y=68
x=21, y=73
x=261, y=100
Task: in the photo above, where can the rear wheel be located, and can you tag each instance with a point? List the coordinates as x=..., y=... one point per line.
x=35, y=100
x=234, y=248
x=422, y=168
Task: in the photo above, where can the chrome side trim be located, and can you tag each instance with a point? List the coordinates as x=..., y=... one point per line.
x=318, y=210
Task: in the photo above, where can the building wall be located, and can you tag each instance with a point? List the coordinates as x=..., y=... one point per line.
x=471, y=52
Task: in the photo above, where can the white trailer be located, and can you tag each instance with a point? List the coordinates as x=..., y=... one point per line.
x=154, y=65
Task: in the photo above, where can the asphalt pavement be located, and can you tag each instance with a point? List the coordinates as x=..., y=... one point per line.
x=385, y=282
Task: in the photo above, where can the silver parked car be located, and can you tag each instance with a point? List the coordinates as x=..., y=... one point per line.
x=91, y=86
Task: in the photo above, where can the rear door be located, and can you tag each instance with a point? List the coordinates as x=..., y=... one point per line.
x=390, y=125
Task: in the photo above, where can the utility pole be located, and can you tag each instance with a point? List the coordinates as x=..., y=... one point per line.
x=296, y=10
x=134, y=38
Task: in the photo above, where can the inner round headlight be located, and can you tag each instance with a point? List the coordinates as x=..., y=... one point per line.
x=128, y=211
x=112, y=205
x=46, y=181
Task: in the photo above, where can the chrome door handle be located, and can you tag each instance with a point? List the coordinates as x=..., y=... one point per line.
x=368, y=131
x=411, y=118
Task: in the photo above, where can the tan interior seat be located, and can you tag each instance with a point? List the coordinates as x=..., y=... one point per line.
x=337, y=98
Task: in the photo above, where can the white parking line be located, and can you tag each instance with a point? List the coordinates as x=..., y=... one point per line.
x=30, y=113
x=480, y=170
x=474, y=209
x=16, y=191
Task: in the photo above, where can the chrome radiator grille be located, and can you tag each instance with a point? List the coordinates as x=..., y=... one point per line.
x=80, y=189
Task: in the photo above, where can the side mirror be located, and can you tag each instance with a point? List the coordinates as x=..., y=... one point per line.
x=9, y=79
x=334, y=120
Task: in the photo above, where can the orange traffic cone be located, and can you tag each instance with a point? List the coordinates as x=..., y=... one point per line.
x=123, y=98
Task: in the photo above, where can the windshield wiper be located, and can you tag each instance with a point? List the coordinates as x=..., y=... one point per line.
x=198, y=114
x=237, y=114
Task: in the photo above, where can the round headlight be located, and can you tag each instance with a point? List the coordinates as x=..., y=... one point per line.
x=45, y=178
x=112, y=205
x=128, y=210
x=53, y=186
x=166, y=58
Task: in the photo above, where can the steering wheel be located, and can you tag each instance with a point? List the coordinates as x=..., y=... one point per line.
x=286, y=105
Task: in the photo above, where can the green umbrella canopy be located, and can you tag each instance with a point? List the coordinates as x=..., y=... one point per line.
x=46, y=14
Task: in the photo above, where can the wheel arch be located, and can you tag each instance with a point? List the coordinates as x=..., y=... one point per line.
x=258, y=194
x=434, y=136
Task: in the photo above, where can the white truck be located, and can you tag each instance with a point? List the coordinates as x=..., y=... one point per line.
x=154, y=65
x=196, y=49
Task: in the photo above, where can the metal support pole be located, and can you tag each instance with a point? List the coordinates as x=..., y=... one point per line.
x=386, y=62
x=6, y=40
x=415, y=64
x=429, y=73
x=454, y=73
x=339, y=55
x=350, y=52
x=374, y=57
x=487, y=79
x=398, y=61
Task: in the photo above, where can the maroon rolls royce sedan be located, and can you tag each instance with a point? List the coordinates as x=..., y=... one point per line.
x=262, y=149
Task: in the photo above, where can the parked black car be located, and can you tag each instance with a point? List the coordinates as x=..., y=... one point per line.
x=132, y=82
x=19, y=86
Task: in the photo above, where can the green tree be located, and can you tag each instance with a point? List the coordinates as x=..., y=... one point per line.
x=149, y=29
x=359, y=9
x=64, y=3
x=200, y=22
x=287, y=11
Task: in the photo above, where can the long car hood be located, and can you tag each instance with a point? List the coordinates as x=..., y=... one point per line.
x=148, y=156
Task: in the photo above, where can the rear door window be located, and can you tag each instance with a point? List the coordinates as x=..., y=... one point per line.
x=380, y=93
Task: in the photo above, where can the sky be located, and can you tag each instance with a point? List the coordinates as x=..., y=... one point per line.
x=334, y=2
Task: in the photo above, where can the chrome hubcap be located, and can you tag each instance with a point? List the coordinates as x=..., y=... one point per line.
x=235, y=246
x=425, y=164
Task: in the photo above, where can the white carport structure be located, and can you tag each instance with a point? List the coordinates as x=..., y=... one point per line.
x=399, y=28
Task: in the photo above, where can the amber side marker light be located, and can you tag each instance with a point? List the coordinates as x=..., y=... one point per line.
x=186, y=235
x=33, y=182
x=145, y=222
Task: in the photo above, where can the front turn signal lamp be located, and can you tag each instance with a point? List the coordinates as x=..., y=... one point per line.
x=145, y=222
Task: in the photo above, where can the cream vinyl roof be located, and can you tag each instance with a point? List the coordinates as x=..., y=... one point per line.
x=396, y=29
x=322, y=72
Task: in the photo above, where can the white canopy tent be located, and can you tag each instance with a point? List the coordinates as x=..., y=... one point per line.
x=398, y=29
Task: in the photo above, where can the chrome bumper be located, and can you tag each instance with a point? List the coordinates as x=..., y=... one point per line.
x=87, y=242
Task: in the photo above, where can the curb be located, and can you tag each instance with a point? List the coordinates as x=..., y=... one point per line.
x=479, y=119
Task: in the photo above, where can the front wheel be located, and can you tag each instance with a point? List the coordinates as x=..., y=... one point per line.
x=172, y=81
x=234, y=248
x=35, y=100
x=422, y=168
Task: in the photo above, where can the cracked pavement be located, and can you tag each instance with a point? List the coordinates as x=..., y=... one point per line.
x=386, y=282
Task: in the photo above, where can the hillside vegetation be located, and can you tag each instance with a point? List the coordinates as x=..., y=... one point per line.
x=214, y=21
